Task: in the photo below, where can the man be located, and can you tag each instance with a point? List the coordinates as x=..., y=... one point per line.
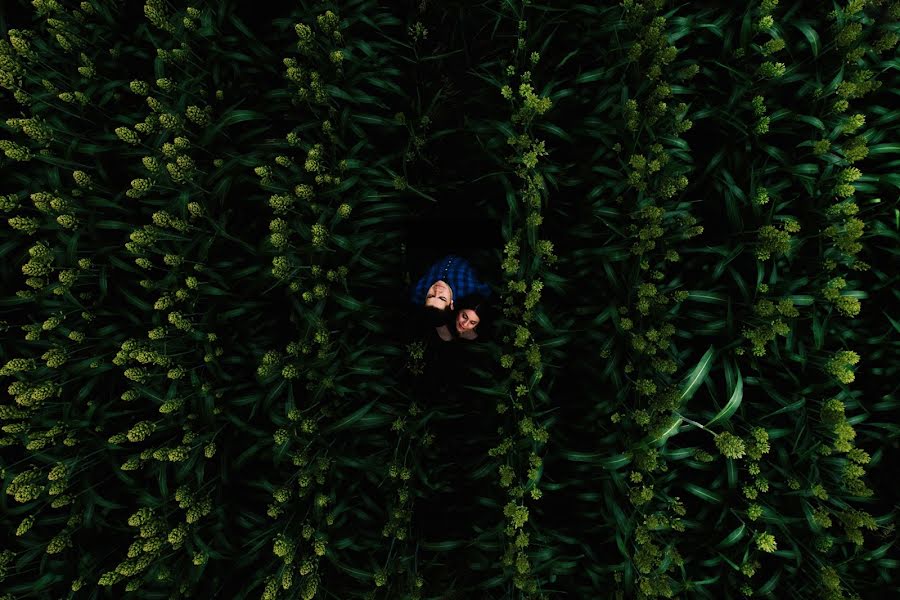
x=450, y=277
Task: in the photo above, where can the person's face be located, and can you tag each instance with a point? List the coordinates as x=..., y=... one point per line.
x=466, y=320
x=439, y=295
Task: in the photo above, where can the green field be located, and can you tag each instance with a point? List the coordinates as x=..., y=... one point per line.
x=210, y=218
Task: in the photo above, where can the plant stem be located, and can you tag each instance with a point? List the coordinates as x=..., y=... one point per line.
x=697, y=424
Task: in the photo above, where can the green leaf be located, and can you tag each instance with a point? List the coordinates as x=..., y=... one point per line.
x=443, y=546
x=373, y=120
x=36, y=585
x=557, y=131
x=707, y=297
x=701, y=370
x=566, y=58
x=817, y=123
x=811, y=36
x=134, y=300
x=251, y=451
x=805, y=169
x=732, y=538
x=769, y=586
x=733, y=403
x=591, y=76
x=702, y=493
x=789, y=408
x=490, y=391
x=615, y=462
x=240, y=116
x=7, y=247
x=351, y=419
x=588, y=457
x=802, y=299
x=893, y=148
x=894, y=323
x=347, y=301
x=359, y=574
x=668, y=432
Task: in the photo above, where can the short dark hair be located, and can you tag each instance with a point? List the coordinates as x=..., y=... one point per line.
x=436, y=317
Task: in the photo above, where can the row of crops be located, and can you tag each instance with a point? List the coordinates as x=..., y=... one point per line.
x=211, y=390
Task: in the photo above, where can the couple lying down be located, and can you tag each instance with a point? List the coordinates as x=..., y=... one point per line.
x=452, y=299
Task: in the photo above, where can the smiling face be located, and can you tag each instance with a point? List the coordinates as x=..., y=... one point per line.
x=439, y=295
x=467, y=320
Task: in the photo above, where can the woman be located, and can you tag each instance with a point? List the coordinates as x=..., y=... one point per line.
x=470, y=312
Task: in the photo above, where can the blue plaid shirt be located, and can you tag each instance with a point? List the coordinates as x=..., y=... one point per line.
x=457, y=273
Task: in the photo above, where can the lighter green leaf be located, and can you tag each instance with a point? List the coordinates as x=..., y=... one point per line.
x=707, y=297
x=615, y=462
x=668, y=432
x=811, y=36
x=696, y=377
x=732, y=538
x=733, y=403
x=702, y=493
x=350, y=419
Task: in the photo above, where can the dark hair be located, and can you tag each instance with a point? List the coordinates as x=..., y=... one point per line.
x=476, y=302
x=480, y=304
x=436, y=317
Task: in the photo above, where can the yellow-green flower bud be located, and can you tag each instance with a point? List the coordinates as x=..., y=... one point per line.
x=58, y=543
x=169, y=120
x=766, y=542
x=27, y=224
x=127, y=135
x=730, y=445
x=67, y=221
x=141, y=431
x=25, y=525
x=141, y=88
x=198, y=115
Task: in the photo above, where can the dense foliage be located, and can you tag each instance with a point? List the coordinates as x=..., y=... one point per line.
x=210, y=391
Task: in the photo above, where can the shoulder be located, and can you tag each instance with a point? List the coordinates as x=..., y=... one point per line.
x=460, y=262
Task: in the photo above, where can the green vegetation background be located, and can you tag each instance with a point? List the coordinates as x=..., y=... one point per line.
x=210, y=216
